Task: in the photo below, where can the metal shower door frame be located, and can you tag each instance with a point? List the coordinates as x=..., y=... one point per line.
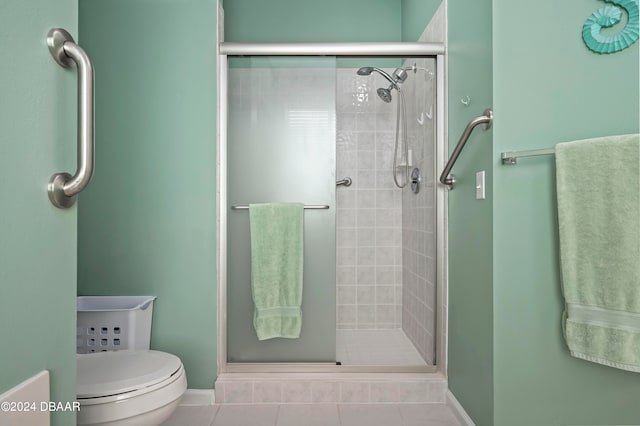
x=365, y=49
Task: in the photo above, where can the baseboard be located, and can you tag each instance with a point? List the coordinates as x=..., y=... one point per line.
x=198, y=397
x=458, y=410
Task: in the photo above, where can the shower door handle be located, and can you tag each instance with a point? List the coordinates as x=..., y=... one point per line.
x=346, y=182
x=63, y=188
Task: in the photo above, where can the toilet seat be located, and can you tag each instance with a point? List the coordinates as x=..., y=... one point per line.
x=128, y=387
x=108, y=374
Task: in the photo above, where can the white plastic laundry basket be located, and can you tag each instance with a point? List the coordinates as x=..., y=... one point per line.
x=110, y=323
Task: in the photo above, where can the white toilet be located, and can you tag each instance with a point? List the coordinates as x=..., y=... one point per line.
x=128, y=387
x=120, y=381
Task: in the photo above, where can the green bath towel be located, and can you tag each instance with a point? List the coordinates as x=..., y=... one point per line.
x=276, y=268
x=598, y=187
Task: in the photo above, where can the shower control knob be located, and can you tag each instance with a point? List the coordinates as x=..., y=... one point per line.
x=416, y=178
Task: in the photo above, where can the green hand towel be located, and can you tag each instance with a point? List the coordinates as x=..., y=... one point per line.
x=276, y=268
x=598, y=187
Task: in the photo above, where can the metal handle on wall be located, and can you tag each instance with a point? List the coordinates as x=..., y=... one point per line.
x=346, y=182
x=63, y=188
x=487, y=119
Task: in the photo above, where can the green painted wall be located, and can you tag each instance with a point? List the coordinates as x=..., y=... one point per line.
x=470, y=220
x=147, y=223
x=312, y=20
x=37, y=240
x=416, y=15
x=549, y=88
x=331, y=20
x=508, y=363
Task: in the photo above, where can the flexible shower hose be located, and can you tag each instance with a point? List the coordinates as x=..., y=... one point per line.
x=400, y=104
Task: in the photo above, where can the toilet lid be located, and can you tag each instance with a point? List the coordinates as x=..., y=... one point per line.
x=111, y=373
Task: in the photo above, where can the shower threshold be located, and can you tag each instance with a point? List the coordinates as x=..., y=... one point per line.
x=324, y=368
x=329, y=387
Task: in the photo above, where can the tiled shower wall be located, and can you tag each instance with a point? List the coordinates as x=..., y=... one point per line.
x=418, y=218
x=418, y=210
x=369, y=212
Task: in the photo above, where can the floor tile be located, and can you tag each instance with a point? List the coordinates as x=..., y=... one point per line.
x=193, y=415
x=246, y=415
x=314, y=415
x=308, y=415
x=370, y=415
x=427, y=415
x=376, y=347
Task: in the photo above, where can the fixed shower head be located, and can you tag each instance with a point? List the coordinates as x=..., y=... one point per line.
x=385, y=94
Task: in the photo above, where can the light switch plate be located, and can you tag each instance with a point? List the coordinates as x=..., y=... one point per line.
x=480, y=193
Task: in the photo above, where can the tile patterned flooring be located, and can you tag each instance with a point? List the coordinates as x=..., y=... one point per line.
x=376, y=347
x=314, y=415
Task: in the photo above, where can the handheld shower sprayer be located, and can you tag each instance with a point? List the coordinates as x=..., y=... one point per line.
x=398, y=76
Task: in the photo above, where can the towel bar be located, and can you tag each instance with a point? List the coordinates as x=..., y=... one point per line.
x=511, y=158
x=306, y=207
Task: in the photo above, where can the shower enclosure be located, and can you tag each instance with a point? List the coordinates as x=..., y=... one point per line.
x=297, y=130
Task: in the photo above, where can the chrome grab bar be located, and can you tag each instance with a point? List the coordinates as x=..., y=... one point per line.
x=487, y=119
x=345, y=182
x=63, y=188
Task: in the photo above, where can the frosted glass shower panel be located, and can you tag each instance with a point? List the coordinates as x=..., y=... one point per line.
x=281, y=148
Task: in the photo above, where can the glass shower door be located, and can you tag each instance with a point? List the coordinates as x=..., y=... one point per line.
x=281, y=148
